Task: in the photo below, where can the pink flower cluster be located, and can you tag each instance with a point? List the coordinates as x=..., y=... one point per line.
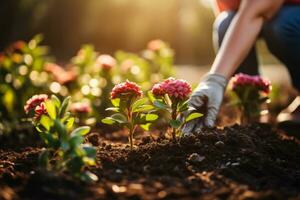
x=107, y=62
x=176, y=89
x=35, y=101
x=126, y=89
x=244, y=80
x=80, y=107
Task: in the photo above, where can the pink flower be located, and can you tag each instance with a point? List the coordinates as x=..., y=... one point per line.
x=107, y=62
x=80, y=107
x=177, y=89
x=244, y=80
x=35, y=101
x=60, y=75
x=39, y=111
x=126, y=89
x=126, y=65
x=156, y=45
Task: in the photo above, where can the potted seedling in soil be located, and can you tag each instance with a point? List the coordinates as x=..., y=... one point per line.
x=130, y=109
x=171, y=95
x=251, y=92
x=65, y=150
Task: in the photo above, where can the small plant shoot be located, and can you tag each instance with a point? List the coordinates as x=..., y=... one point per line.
x=251, y=92
x=65, y=150
x=171, y=95
x=130, y=109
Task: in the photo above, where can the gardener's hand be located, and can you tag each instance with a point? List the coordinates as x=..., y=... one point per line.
x=207, y=97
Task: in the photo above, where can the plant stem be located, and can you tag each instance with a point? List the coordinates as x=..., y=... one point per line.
x=131, y=128
x=174, y=116
x=131, y=138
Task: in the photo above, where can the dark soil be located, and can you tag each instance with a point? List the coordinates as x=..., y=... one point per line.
x=252, y=162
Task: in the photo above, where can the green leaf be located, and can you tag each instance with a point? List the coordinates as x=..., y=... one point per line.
x=61, y=130
x=51, y=109
x=83, y=130
x=175, y=123
x=112, y=109
x=144, y=108
x=193, y=116
x=76, y=140
x=44, y=159
x=151, y=117
x=88, y=177
x=183, y=107
x=146, y=127
x=49, y=139
x=56, y=101
x=64, y=106
x=160, y=104
x=115, y=102
x=75, y=165
x=108, y=120
x=90, y=151
x=89, y=161
x=120, y=118
x=65, y=145
x=151, y=96
x=139, y=103
x=70, y=123
x=46, y=122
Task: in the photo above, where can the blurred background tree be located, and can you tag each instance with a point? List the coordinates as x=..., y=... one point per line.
x=111, y=25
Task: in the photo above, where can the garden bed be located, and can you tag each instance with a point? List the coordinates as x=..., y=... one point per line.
x=252, y=162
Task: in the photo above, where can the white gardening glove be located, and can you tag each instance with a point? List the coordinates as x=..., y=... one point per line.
x=207, y=97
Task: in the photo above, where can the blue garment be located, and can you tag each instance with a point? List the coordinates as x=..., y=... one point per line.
x=282, y=35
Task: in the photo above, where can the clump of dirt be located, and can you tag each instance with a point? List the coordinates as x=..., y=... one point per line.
x=252, y=162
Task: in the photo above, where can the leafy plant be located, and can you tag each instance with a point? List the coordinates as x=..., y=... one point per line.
x=21, y=76
x=161, y=57
x=130, y=110
x=65, y=150
x=251, y=93
x=171, y=96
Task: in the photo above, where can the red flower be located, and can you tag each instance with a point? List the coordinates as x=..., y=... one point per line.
x=80, y=107
x=35, y=101
x=177, y=89
x=158, y=90
x=60, y=75
x=156, y=45
x=126, y=89
x=39, y=111
x=244, y=80
x=106, y=62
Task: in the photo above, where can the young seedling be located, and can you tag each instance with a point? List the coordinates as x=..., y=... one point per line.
x=65, y=150
x=130, y=109
x=171, y=95
x=251, y=92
